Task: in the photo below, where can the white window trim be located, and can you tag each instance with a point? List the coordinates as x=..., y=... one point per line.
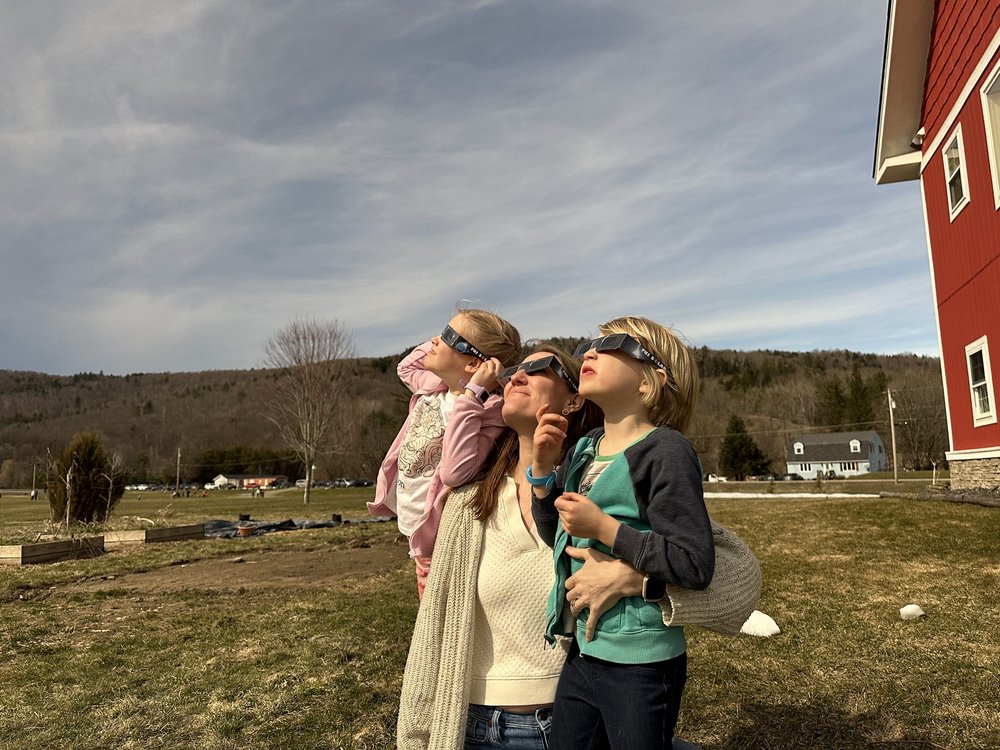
x=956, y=136
x=798, y=449
x=855, y=446
x=990, y=417
x=992, y=80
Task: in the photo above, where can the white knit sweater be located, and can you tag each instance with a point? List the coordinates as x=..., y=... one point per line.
x=434, y=700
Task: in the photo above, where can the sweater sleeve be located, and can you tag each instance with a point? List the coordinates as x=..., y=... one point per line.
x=679, y=549
x=414, y=375
x=469, y=437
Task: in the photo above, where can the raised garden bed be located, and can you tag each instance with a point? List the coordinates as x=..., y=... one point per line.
x=147, y=536
x=27, y=554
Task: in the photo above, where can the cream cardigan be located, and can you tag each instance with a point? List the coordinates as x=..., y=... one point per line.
x=434, y=701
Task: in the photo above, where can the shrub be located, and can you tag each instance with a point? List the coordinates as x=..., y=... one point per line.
x=84, y=485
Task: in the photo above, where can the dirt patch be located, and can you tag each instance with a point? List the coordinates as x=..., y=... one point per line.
x=323, y=567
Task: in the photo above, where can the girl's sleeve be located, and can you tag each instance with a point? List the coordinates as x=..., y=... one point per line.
x=414, y=375
x=679, y=548
x=469, y=437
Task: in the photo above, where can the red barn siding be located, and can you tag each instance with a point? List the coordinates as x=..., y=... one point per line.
x=965, y=254
x=962, y=31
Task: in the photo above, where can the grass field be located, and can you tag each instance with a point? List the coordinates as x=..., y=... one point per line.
x=123, y=651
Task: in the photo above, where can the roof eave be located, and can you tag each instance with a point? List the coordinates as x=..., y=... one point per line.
x=904, y=68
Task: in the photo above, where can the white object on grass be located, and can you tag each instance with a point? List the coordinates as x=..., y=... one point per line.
x=760, y=625
x=910, y=612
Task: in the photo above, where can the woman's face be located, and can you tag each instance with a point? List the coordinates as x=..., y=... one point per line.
x=525, y=394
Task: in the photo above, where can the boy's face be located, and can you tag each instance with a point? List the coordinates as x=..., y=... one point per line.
x=611, y=378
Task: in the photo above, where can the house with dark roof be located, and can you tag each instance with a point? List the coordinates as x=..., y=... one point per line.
x=248, y=481
x=843, y=454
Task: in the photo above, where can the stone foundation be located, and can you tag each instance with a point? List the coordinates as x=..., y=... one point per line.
x=975, y=473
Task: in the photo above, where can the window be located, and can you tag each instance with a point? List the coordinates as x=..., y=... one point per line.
x=954, y=173
x=855, y=446
x=798, y=448
x=990, y=93
x=981, y=382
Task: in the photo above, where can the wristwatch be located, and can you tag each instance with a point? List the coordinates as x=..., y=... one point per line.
x=481, y=394
x=653, y=589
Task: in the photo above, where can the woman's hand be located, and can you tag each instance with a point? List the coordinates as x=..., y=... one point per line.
x=599, y=584
x=581, y=517
x=547, y=444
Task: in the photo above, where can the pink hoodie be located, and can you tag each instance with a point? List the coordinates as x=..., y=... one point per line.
x=468, y=439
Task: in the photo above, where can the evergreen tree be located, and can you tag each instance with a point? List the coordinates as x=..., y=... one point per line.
x=84, y=485
x=739, y=455
x=858, y=411
x=831, y=403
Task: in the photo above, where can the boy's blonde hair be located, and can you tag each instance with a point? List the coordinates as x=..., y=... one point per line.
x=671, y=403
x=493, y=335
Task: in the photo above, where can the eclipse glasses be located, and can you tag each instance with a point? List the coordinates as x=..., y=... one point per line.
x=463, y=346
x=626, y=344
x=537, y=365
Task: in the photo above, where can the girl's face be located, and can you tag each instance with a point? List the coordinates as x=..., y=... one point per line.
x=444, y=361
x=525, y=394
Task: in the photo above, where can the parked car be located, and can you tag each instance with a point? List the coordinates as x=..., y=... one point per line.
x=341, y=482
x=361, y=483
x=792, y=477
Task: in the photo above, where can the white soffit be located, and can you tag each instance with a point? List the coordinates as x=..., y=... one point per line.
x=907, y=44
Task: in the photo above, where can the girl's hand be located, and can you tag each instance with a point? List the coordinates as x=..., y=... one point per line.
x=486, y=374
x=581, y=517
x=547, y=444
x=599, y=584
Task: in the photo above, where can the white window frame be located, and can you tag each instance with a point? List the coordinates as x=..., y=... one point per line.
x=855, y=446
x=990, y=96
x=798, y=449
x=981, y=418
x=962, y=171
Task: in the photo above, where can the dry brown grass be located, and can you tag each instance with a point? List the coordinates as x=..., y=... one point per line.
x=90, y=658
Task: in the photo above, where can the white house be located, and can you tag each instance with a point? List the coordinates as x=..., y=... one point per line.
x=247, y=481
x=846, y=454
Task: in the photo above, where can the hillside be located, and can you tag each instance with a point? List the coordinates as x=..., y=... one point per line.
x=218, y=418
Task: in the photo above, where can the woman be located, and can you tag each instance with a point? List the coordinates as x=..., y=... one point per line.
x=479, y=673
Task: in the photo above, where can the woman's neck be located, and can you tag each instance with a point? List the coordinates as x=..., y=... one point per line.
x=526, y=444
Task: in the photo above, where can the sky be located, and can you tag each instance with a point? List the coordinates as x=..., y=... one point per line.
x=180, y=180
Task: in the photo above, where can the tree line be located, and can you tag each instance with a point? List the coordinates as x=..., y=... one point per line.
x=220, y=421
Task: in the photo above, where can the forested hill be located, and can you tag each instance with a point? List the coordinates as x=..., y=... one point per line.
x=218, y=418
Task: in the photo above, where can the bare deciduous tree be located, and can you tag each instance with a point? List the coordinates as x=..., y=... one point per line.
x=309, y=386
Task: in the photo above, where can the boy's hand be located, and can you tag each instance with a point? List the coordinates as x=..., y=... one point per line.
x=581, y=517
x=548, y=440
x=486, y=374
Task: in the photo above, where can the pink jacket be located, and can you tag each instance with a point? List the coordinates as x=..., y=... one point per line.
x=468, y=439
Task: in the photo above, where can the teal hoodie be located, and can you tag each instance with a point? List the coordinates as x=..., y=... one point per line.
x=654, y=489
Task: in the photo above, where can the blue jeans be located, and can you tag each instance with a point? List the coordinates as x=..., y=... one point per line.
x=605, y=706
x=489, y=727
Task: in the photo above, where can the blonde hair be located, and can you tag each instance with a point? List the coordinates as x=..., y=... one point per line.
x=493, y=335
x=670, y=403
x=506, y=451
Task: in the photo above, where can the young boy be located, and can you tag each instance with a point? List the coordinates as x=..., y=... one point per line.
x=632, y=489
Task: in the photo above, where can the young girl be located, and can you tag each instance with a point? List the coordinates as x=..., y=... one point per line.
x=632, y=488
x=453, y=421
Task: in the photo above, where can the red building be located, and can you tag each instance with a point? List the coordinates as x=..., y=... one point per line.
x=939, y=122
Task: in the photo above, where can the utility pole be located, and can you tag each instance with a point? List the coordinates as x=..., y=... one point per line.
x=892, y=431
x=177, y=482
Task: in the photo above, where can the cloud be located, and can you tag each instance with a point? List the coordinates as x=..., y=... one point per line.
x=181, y=180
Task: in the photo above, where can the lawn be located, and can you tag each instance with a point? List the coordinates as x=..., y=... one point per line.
x=125, y=651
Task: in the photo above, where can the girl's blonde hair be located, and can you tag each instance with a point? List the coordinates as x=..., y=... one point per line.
x=672, y=403
x=503, y=458
x=493, y=335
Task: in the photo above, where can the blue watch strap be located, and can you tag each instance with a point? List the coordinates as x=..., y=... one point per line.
x=546, y=482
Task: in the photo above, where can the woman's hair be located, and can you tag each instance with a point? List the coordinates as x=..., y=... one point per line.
x=503, y=458
x=672, y=403
x=493, y=335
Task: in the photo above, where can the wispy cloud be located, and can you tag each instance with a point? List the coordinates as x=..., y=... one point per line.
x=183, y=178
